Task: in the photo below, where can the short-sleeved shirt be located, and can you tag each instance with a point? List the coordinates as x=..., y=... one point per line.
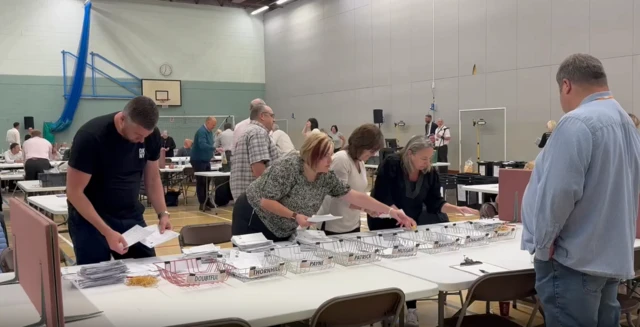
x=254, y=146
x=115, y=165
x=285, y=182
x=337, y=141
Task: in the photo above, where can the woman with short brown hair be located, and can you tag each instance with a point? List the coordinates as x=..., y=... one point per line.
x=292, y=189
x=348, y=165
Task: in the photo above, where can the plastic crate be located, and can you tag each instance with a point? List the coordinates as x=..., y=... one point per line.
x=52, y=179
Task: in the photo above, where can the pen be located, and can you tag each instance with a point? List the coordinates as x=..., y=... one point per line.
x=484, y=271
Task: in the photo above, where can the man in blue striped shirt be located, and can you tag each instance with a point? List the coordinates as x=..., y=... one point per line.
x=579, y=210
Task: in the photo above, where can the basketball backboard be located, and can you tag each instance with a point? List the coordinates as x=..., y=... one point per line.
x=164, y=92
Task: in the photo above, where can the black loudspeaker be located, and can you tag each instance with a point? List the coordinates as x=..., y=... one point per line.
x=28, y=122
x=377, y=116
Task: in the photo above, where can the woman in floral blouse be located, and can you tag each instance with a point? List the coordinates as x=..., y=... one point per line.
x=293, y=189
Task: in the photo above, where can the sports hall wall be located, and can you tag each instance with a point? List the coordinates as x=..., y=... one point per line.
x=337, y=60
x=218, y=53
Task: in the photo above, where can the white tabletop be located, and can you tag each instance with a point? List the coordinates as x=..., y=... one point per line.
x=14, y=176
x=370, y=166
x=265, y=302
x=187, y=159
x=21, y=165
x=53, y=204
x=484, y=188
x=213, y=174
x=34, y=187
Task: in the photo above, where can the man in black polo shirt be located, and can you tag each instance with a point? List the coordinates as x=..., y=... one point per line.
x=110, y=155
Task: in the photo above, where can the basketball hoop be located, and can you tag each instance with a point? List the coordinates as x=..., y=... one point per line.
x=163, y=103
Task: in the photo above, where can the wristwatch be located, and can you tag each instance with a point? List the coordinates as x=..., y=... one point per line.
x=294, y=215
x=164, y=213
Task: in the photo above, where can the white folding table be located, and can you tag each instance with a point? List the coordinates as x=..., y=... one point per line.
x=483, y=188
x=209, y=180
x=34, y=187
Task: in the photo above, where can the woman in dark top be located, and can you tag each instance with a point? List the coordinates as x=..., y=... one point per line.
x=551, y=125
x=407, y=181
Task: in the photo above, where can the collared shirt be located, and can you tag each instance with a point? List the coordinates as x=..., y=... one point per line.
x=239, y=130
x=441, y=133
x=254, y=146
x=37, y=147
x=282, y=141
x=582, y=197
x=13, y=136
x=225, y=140
x=9, y=157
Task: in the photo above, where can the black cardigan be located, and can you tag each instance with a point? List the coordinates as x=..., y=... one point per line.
x=390, y=189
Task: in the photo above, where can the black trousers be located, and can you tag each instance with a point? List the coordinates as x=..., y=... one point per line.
x=202, y=186
x=443, y=154
x=35, y=166
x=329, y=233
x=91, y=247
x=245, y=221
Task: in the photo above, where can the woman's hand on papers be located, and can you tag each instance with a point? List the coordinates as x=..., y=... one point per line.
x=302, y=221
x=468, y=211
x=402, y=218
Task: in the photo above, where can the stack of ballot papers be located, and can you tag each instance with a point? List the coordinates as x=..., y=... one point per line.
x=322, y=218
x=312, y=237
x=205, y=250
x=106, y=273
x=252, y=242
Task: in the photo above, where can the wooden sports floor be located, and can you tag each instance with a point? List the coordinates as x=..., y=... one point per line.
x=185, y=215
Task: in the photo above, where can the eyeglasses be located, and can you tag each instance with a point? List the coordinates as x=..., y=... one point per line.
x=272, y=115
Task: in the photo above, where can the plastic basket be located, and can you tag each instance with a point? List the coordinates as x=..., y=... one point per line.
x=193, y=272
x=390, y=245
x=432, y=242
x=350, y=252
x=299, y=260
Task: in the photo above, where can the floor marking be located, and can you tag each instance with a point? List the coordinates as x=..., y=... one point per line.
x=212, y=215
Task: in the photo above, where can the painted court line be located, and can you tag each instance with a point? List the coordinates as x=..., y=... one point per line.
x=212, y=215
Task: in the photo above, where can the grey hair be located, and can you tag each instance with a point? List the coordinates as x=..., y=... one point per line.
x=142, y=111
x=256, y=102
x=256, y=111
x=415, y=144
x=582, y=69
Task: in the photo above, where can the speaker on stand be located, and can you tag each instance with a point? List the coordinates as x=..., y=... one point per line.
x=378, y=117
x=28, y=122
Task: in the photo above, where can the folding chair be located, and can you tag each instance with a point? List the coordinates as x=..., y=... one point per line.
x=188, y=181
x=230, y=322
x=629, y=302
x=194, y=235
x=361, y=309
x=494, y=287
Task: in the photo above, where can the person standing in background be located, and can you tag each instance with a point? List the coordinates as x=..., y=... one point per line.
x=185, y=150
x=37, y=152
x=13, y=134
x=224, y=141
x=580, y=207
x=337, y=137
x=240, y=127
x=201, y=155
x=282, y=140
x=168, y=144
x=429, y=126
x=442, y=138
x=311, y=126
x=551, y=125
x=254, y=152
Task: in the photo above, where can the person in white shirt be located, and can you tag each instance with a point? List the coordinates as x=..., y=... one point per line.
x=240, y=127
x=224, y=141
x=37, y=152
x=13, y=135
x=14, y=154
x=348, y=165
x=442, y=138
x=282, y=140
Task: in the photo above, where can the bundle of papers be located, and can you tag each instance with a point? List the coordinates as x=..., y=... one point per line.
x=312, y=237
x=322, y=218
x=106, y=273
x=245, y=260
x=252, y=242
x=206, y=250
x=150, y=236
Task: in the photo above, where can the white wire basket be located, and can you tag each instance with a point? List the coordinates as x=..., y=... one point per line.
x=299, y=260
x=468, y=236
x=390, y=245
x=350, y=252
x=263, y=268
x=431, y=241
x=498, y=230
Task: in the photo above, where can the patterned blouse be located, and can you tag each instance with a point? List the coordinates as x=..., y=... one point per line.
x=284, y=182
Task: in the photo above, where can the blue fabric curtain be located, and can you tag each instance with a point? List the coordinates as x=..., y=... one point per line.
x=77, y=83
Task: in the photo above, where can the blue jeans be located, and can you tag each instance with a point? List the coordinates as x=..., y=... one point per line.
x=573, y=299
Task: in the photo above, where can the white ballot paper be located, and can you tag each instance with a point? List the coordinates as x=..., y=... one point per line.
x=206, y=248
x=136, y=234
x=321, y=218
x=156, y=238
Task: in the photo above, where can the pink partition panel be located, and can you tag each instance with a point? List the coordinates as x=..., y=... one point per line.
x=512, y=184
x=638, y=225
x=38, y=260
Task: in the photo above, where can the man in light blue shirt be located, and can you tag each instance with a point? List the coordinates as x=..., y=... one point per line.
x=579, y=210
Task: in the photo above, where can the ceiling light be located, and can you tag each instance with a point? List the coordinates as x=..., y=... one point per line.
x=281, y=2
x=259, y=10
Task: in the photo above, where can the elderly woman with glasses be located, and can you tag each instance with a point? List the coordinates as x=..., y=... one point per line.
x=293, y=188
x=407, y=181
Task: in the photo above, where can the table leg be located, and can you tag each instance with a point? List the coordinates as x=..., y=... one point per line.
x=442, y=296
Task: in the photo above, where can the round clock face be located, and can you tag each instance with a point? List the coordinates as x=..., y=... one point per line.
x=166, y=70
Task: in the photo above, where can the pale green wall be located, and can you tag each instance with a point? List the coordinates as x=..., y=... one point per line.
x=41, y=97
